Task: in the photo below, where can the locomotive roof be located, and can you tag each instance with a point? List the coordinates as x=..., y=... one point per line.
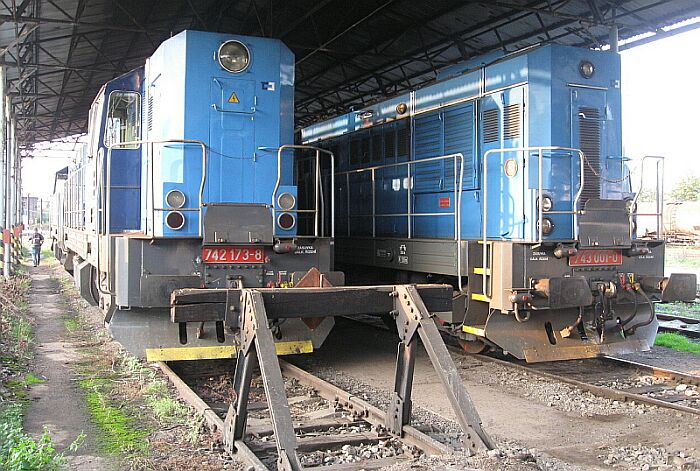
x=58, y=54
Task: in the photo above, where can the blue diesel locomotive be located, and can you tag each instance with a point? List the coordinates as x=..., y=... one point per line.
x=506, y=179
x=188, y=182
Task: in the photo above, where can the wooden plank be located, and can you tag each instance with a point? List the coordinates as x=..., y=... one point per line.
x=204, y=312
x=379, y=463
x=321, y=442
x=306, y=302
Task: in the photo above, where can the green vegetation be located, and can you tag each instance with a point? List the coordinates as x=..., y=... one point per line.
x=46, y=254
x=680, y=309
x=118, y=433
x=677, y=342
x=688, y=189
x=21, y=452
x=682, y=257
x=70, y=323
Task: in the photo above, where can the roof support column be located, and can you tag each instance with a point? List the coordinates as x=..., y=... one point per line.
x=4, y=179
x=614, y=39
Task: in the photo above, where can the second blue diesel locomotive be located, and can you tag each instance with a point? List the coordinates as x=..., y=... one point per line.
x=505, y=178
x=188, y=182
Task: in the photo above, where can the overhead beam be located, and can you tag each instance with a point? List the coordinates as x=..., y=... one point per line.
x=78, y=23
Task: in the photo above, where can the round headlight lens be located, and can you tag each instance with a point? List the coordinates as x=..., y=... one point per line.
x=587, y=69
x=286, y=201
x=175, y=220
x=510, y=167
x=547, y=226
x=286, y=221
x=175, y=199
x=234, y=56
x=547, y=203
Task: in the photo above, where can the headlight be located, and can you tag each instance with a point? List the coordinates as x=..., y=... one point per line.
x=547, y=226
x=286, y=221
x=286, y=201
x=175, y=220
x=234, y=56
x=587, y=69
x=547, y=203
x=175, y=199
x=510, y=167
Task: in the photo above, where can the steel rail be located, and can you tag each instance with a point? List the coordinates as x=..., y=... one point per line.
x=189, y=396
x=666, y=324
x=607, y=392
x=367, y=411
x=333, y=394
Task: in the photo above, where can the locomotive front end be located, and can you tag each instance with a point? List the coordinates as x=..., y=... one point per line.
x=574, y=280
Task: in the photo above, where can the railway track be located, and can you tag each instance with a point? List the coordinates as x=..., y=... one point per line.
x=334, y=429
x=688, y=326
x=620, y=380
x=610, y=377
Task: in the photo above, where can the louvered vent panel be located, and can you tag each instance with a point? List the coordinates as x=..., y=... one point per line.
x=150, y=113
x=512, y=122
x=365, y=150
x=589, y=143
x=377, y=146
x=459, y=139
x=403, y=138
x=490, y=125
x=389, y=144
x=428, y=131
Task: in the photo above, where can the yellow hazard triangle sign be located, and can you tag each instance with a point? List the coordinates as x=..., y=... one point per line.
x=233, y=98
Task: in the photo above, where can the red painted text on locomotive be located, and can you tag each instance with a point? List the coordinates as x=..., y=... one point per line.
x=596, y=257
x=444, y=202
x=233, y=254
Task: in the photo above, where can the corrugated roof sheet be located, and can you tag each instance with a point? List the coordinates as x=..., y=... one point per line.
x=349, y=53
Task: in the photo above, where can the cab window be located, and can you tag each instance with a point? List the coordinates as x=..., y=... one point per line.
x=123, y=119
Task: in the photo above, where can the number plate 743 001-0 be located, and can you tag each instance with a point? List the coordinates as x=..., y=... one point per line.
x=596, y=257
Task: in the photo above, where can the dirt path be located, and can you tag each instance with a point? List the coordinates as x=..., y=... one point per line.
x=56, y=403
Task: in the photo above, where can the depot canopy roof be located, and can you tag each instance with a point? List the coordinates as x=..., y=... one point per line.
x=58, y=53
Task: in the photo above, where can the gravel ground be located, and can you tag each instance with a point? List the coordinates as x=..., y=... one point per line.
x=508, y=455
x=559, y=425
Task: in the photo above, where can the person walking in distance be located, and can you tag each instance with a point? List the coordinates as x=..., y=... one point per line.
x=37, y=240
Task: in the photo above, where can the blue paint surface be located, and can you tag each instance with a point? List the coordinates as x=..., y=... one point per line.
x=533, y=99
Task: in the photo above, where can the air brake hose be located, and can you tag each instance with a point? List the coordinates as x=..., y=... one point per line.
x=631, y=330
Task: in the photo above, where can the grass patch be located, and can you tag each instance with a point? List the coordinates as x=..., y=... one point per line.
x=680, y=309
x=21, y=452
x=118, y=434
x=677, y=342
x=71, y=324
x=47, y=254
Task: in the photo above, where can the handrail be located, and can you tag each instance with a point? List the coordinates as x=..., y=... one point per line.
x=106, y=193
x=317, y=187
x=456, y=214
x=659, y=195
x=539, y=149
x=151, y=143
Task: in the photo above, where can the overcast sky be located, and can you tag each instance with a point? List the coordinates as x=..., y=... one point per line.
x=661, y=111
